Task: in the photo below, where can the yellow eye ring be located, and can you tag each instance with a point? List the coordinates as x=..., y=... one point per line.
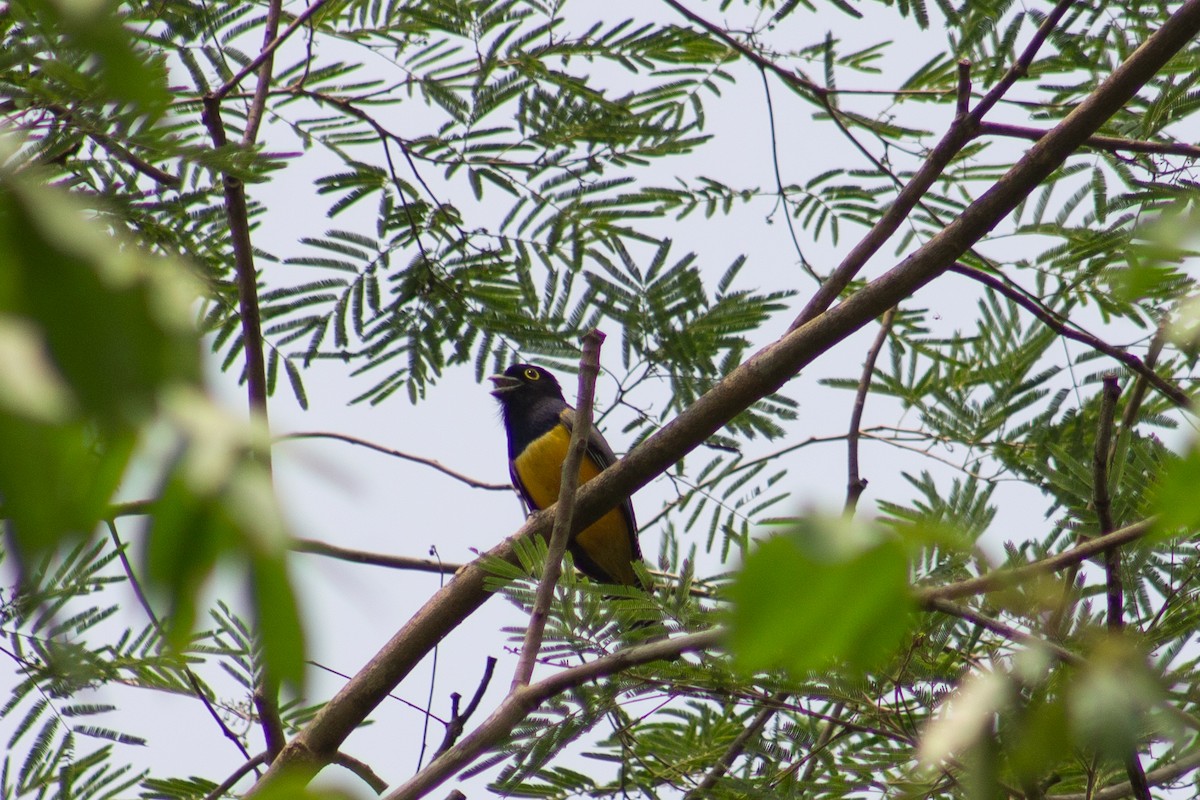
x=532, y=374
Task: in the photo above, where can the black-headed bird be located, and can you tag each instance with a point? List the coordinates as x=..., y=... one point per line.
x=538, y=422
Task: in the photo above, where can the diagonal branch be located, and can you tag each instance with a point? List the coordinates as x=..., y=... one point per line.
x=771, y=706
x=1004, y=578
x=1063, y=328
x=964, y=127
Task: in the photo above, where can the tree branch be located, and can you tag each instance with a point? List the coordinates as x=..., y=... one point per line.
x=458, y=722
x=1003, y=578
x=1060, y=326
x=375, y=559
x=237, y=775
x=429, y=462
x=589, y=369
x=1114, y=143
x=268, y=51
x=362, y=770
x=192, y=678
x=962, y=130
x=267, y=61
x=771, y=707
x=1102, y=499
x=856, y=483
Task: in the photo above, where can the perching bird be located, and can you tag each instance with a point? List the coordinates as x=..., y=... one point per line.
x=538, y=422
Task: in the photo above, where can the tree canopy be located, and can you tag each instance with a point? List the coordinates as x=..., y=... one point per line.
x=940, y=257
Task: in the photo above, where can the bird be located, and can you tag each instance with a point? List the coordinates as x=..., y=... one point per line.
x=538, y=423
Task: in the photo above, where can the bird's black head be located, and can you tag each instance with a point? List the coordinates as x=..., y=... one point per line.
x=524, y=382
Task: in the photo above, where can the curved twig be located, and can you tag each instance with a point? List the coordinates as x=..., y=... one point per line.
x=429, y=462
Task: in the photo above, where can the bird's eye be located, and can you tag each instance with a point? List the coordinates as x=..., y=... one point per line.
x=532, y=374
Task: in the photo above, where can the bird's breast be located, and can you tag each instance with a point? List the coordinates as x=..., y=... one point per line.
x=539, y=466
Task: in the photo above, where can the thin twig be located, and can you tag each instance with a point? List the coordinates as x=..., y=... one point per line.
x=268, y=50
x=237, y=775
x=737, y=746
x=589, y=369
x=374, y=559
x=787, y=216
x=429, y=462
x=1061, y=327
x=458, y=722
x=425, y=712
x=856, y=483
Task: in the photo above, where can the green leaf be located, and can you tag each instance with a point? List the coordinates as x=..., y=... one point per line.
x=279, y=629
x=1110, y=700
x=1176, y=502
x=829, y=592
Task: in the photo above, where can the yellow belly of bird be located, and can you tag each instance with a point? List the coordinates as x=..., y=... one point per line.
x=607, y=541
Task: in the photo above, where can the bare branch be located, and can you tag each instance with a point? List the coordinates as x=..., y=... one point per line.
x=1113, y=143
x=458, y=722
x=267, y=58
x=856, y=483
x=362, y=770
x=429, y=462
x=1003, y=578
x=1063, y=328
x=375, y=559
x=589, y=369
x=1102, y=499
x=268, y=50
x=237, y=775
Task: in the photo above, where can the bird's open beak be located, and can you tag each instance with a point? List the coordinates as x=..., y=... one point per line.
x=503, y=383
